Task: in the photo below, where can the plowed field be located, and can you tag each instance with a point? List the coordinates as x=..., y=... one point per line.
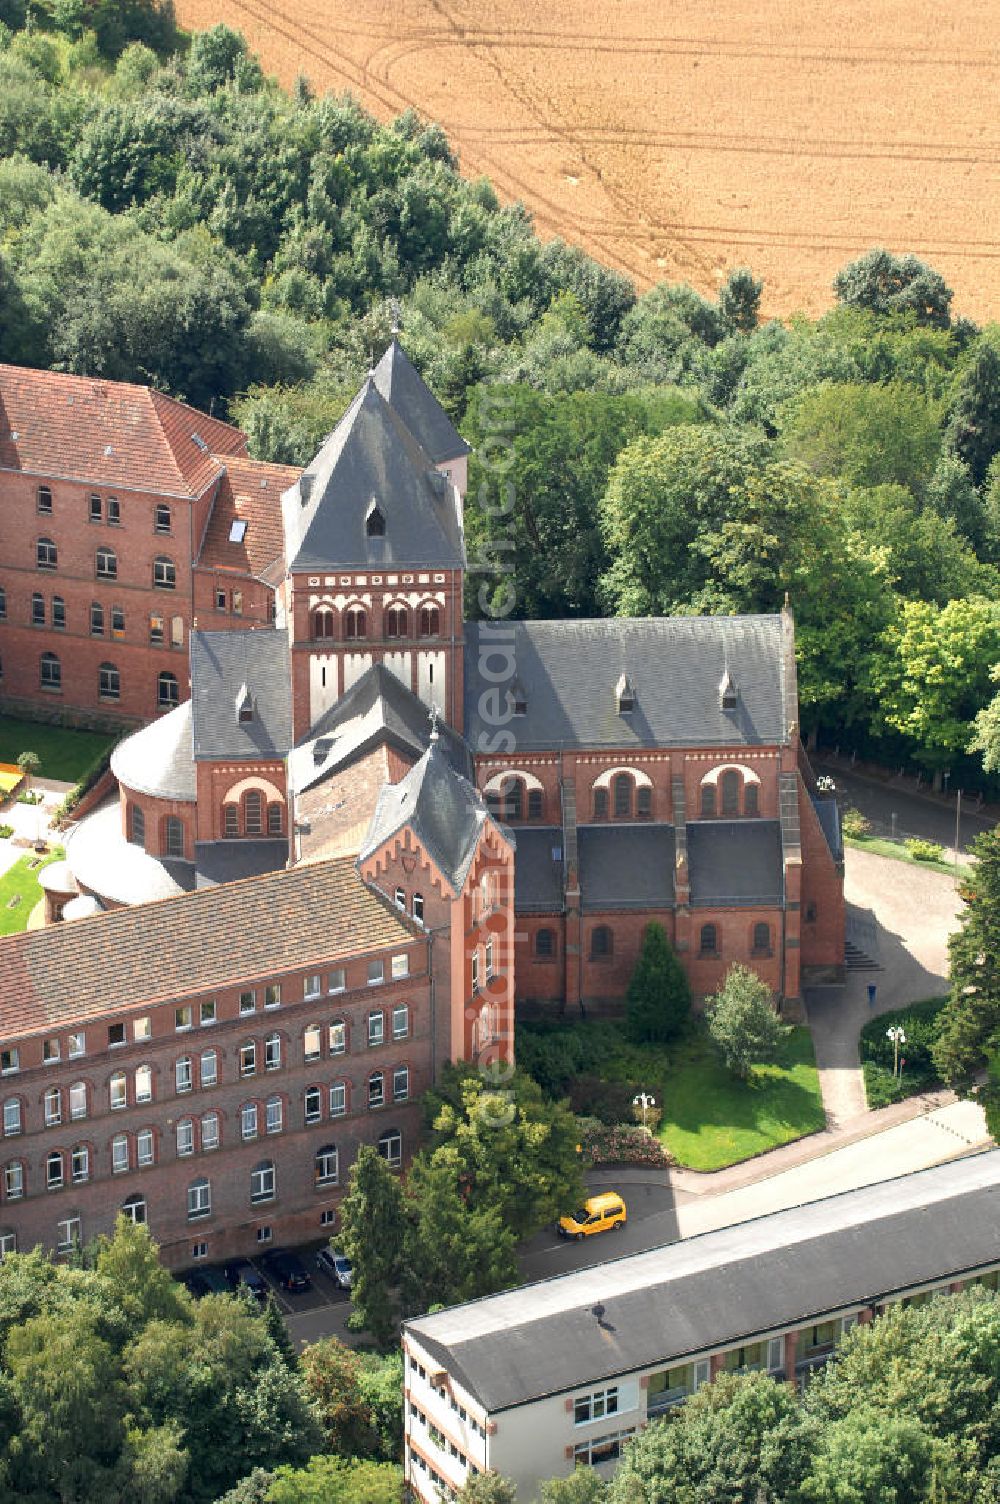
x=675, y=140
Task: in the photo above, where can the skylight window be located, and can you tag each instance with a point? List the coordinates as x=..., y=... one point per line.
x=199, y=442
x=237, y=530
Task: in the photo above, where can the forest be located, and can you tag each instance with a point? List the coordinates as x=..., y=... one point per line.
x=169, y=215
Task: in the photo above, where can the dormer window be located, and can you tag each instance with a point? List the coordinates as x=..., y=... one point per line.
x=625, y=695
x=245, y=708
x=728, y=693
x=518, y=698
x=374, y=521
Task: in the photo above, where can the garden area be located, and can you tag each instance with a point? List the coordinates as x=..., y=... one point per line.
x=895, y=1069
x=63, y=753
x=20, y=889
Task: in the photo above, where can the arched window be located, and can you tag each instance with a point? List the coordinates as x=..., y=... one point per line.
x=708, y=942
x=13, y=1180
x=313, y=1104
x=51, y=672
x=185, y=1137
x=118, y=1091
x=109, y=682
x=210, y=1131
x=327, y=1165
x=729, y=783
x=167, y=694
x=272, y=1052
x=376, y=1089
x=622, y=784
x=323, y=622
x=96, y=619
x=600, y=804
x=536, y=806
x=144, y=1083
x=136, y=826
x=107, y=564
x=762, y=939
x=707, y=800
x=54, y=1170
x=248, y=1121
x=12, y=1118
x=338, y=1099
x=58, y=613
x=78, y=1101
x=135, y=1210
x=512, y=797
x=199, y=1199
x=397, y=621
x=390, y=1146
x=119, y=1154
x=274, y=1115
x=602, y=943
x=253, y=812
x=230, y=820
x=79, y=1164
x=173, y=844
x=164, y=573
x=545, y=944
x=53, y=1107
x=262, y=1182
x=37, y=610
x=751, y=805
x=275, y=819
x=643, y=802
x=355, y=622
x=430, y=621
x=46, y=554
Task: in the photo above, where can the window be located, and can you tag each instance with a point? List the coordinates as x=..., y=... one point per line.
x=135, y=1210
x=12, y=1116
x=144, y=1150
x=78, y=1101
x=54, y=1171
x=96, y=509
x=210, y=1131
x=143, y=1083
x=51, y=672
x=253, y=816
x=708, y=801
x=118, y=621
x=199, y=1250
x=107, y=564
x=3, y=603
x=207, y=1012
x=399, y=899
x=53, y=1107
x=376, y=973
x=602, y=943
x=156, y=631
x=199, y=1199
x=264, y=1235
x=37, y=610
x=13, y=1180
x=513, y=799
x=164, y=573
x=43, y=500
x=208, y=1068
x=116, y=1035
x=248, y=1002
x=109, y=682
x=401, y=1083
x=161, y=519
x=69, y=1234
x=312, y=1042
x=489, y=960
x=272, y=995
x=183, y=1074
x=534, y=804
x=230, y=821
x=762, y=939
x=248, y=1058
x=313, y=1104
x=50, y=1050
x=600, y=804
x=376, y=1089
x=397, y=622
x=355, y=623
x=275, y=820
x=376, y=1028
x=750, y=799
x=375, y=521
x=137, y=826
x=400, y=1021
x=622, y=785
x=272, y=1052
x=600, y=1449
x=119, y=1154
x=338, y=1099
x=166, y=690
x=177, y=631
x=46, y=554
x=430, y=621
x=262, y=1182
x=545, y=944
x=390, y=1146
x=708, y=944
x=644, y=802
x=79, y=1164
x=475, y=970
x=337, y=1037
x=141, y=1029
x=596, y=1406
x=96, y=619
x=327, y=1171
x=729, y=783
x=117, y=1091
x=77, y=1045
x=58, y=613
x=418, y=907
x=183, y=1018
x=248, y=1120
x=327, y=1216
x=274, y=1115
x=220, y=600
x=114, y=511
x=173, y=837
x=335, y=982
x=322, y=622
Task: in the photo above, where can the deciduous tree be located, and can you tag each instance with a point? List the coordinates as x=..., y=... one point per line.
x=373, y=1229
x=742, y=1021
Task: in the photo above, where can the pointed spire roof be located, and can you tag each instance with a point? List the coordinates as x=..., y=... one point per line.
x=444, y=811
x=372, y=458
x=402, y=386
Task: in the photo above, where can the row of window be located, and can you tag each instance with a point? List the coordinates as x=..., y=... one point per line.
x=109, y=683
x=602, y=942
x=101, y=509
x=627, y=799
x=164, y=570
x=54, y=614
x=395, y=619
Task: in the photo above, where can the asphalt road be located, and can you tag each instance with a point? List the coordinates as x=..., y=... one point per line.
x=652, y=1219
x=914, y=816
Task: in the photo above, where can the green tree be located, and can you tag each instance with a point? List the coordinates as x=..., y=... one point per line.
x=253, y=1489
x=143, y=1290
x=487, y=1488
x=969, y=1024
x=373, y=1228
x=739, y=301
x=952, y=495
x=872, y=1459
x=583, y=1486
x=865, y=434
x=29, y=762
x=337, y=1480
x=659, y=994
x=455, y=1249
x=974, y=418
x=742, y=1021
x=332, y=1374
x=888, y=284
x=380, y=1387
x=986, y=734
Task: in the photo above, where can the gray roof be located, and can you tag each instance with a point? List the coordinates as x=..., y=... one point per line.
x=569, y=669
x=445, y=812
x=734, y=862
x=538, y=874
x=626, y=866
x=828, y=815
x=223, y=666
x=101, y=860
x=229, y=861
x=721, y=1288
x=372, y=456
x=378, y=707
x=159, y=759
x=402, y=386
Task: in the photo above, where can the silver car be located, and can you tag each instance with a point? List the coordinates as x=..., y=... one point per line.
x=336, y=1266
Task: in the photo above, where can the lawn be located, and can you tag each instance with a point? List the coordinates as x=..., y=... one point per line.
x=899, y=853
x=919, y=1022
x=711, y=1119
x=23, y=881
x=65, y=754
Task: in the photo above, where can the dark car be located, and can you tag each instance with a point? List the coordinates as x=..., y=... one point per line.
x=206, y=1282
x=241, y=1274
x=288, y=1269
x=336, y=1265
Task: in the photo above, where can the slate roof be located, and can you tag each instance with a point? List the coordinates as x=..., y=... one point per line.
x=213, y=938
x=222, y=663
x=568, y=671
x=402, y=386
x=250, y=491
x=109, y=434
x=720, y=1288
x=230, y=861
x=377, y=707
x=625, y=866
x=828, y=815
x=372, y=454
x=444, y=810
x=734, y=862
x=159, y=759
x=538, y=875
x=102, y=859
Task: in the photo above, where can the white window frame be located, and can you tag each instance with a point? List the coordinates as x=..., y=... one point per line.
x=210, y=1132
x=145, y=1148
x=185, y=1138
x=401, y=1021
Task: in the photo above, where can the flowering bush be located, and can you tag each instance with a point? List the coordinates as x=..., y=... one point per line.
x=621, y=1145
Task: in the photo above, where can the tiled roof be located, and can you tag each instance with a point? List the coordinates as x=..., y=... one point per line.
x=402, y=386
x=250, y=492
x=109, y=434
x=215, y=937
x=223, y=664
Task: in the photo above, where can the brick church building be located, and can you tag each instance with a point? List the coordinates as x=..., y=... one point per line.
x=352, y=828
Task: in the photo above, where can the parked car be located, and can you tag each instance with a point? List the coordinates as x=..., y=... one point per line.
x=288, y=1269
x=206, y=1282
x=598, y=1214
x=242, y=1274
x=336, y=1265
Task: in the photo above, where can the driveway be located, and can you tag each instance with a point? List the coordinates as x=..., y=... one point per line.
x=894, y=809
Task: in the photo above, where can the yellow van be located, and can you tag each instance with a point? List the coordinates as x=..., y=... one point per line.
x=598, y=1214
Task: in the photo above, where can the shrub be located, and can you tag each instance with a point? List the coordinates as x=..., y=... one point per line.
x=924, y=851
x=623, y=1145
x=921, y=1024
x=610, y=1102
x=855, y=825
x=6, y=831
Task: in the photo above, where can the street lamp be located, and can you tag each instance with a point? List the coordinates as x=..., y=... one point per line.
x=645, y=1100
x=898, y=1037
